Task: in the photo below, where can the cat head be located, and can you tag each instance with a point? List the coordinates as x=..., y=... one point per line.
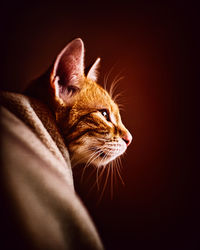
x=87, y=116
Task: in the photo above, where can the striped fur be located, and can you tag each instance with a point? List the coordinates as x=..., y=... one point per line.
x=87, y=116
x=87, y=133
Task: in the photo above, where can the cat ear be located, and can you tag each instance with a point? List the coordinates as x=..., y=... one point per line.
x=67, y=71
x=93, y=73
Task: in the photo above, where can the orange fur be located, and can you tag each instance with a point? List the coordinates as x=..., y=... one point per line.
x=88, y=118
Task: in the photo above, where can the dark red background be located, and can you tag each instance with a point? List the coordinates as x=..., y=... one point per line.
x=154, y=44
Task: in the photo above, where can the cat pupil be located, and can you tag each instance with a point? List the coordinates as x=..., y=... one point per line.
x=105, y=113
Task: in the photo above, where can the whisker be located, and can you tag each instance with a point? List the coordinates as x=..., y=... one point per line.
x=96, y=153
x=91, y=173
x=111, y=186
x=102, y=172
x=102, y=139
x=106, y=77
x=76, y=162
x=90, y=160
x=118, y=171
x=106, y=181
x=121, y=107
x=105, y=156
x=118, y=96
x=99, y=177
x=105, y=81
x=114, y=86
x=114, y=176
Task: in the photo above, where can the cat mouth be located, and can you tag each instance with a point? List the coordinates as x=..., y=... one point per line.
x=100, y=152
x=104, y=154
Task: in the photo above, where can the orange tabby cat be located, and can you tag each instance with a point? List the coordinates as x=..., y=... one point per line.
x=85, y=113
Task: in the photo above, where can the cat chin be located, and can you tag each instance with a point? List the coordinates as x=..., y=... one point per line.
x=96, y=155
x=101, y=160
x=97, y=162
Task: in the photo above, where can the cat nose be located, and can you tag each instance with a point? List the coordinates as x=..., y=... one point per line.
x=127, y=138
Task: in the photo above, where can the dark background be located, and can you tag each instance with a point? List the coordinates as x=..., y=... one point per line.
x=154, y=45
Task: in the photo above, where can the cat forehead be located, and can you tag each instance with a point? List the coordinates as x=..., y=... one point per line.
x=97, y=95
x=93, y=97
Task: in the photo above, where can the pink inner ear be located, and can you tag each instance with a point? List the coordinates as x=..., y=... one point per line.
x=68, y=66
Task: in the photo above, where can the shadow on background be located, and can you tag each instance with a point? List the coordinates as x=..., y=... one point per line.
x=153, y=45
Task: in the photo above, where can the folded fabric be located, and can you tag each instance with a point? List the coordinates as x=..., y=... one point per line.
x=40, y=209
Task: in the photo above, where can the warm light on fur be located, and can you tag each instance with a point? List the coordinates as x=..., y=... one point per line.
x=86, y=114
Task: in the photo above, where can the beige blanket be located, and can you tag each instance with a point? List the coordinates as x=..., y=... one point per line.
x=37, y=180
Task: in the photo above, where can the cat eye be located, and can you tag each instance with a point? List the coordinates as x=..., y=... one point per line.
x=104, y=112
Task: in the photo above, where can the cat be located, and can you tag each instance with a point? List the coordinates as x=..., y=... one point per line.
x=88, y=118
x=63, y=110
